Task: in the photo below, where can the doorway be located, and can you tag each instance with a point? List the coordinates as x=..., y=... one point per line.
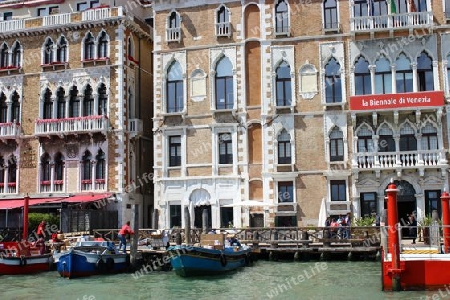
x=256, y=220
x=406, y=204
x=198, y=219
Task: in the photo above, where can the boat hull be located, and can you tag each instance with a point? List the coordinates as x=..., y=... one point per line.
x=26, y=264
x=196, y=261
x=81, y=264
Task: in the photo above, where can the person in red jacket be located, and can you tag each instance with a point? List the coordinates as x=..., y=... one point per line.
x=40, y=229
x=126, y=229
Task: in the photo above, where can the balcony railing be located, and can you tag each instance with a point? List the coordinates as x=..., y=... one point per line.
x=135, y=127
x=86, y=124
x=223, y=29
x=12, y=25
x=9, y=130
x=96, y=14
x=404, y=159
x=59, y=19
x=173, y=34
x=388, y=22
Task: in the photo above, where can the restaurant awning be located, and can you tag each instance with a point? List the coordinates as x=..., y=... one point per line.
x=86, y=197
x=16, y=203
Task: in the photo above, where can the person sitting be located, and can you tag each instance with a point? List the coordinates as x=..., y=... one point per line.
x=234, y=241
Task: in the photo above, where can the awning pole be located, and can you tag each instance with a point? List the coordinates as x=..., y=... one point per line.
x=6, y=221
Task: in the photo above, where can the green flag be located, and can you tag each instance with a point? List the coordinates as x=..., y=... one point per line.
x=393, y=7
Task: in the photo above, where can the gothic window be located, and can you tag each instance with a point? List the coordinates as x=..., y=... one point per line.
x=12, y=169
x=365, y=142
x=88, y=102
x=102, y=45
x=86, y=166
x=425, y=80
x=48, y=52
x=3, y=109
x=4, y=56
x=16, y=54
x=383, y=76
x=408, y=141
x=15, y=108
x=74, y=103
x=45, y=167
x=89, y=47
x=59, y=167
x=429, y=139
x=330, y=16
x=281, y=17
x=363, y=85
x=404, y=74
x=333, y=85
x=48, y=105
x=283, y=85
x=102, y=100
x=60, y=103
x=100, y=167
x=174, y=88
x=284, y=148
x=224, y=84
x=61, y=50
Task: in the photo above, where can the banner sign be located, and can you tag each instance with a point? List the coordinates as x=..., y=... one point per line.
x=393, y=101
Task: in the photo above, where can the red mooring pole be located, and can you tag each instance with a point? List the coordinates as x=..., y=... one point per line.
x=446, y=220
x=393, y=242
x=25, y=218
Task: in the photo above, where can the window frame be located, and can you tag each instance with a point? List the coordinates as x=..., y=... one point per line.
x=178, y=87
x=4, y=56
x=285, y=83
x=367, y=203
x=100, y=166
x=283, y=188
x=89, y=47
x=336, y=144
x=362, y=78
x=331, y=11
x=284, y=149
x=47, y=108
x=3, y=108
x=88, y=101
x=336, y=94
x=339, y=184
x=228, y=82
x=174, y=146
x=282, y=19
x=60, y=103
x=225, y=148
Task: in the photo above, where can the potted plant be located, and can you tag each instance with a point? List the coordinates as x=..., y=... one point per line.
x=425, y=224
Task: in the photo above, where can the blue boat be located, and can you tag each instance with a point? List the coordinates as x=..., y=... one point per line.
x=194, y=261
x=91, y=258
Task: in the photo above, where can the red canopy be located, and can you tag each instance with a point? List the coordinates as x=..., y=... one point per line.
x=85, y=197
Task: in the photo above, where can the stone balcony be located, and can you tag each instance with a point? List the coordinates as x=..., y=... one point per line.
x=78, y=125
x=9, y=131
x=389, y=23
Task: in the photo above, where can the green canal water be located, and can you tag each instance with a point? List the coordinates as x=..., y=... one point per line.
x=263, y=280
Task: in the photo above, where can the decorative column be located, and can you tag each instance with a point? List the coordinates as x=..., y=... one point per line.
x=414, y=71
x=394, y=82
x=52, y=175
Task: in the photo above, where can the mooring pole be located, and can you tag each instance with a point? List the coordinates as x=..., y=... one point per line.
x=187, y=226
x=446, y=220
x=135, y=237
x=393, y=242
x=25, y=217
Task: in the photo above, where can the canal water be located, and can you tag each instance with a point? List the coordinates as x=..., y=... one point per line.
x=263, y=280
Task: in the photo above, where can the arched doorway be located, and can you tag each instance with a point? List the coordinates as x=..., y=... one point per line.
x=200, y=200
x=406, y=203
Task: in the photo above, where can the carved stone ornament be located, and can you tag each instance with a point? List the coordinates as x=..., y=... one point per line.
x=72, y=150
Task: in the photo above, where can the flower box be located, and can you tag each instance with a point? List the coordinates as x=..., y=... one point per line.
x=45, y=182
x=11, y=184
x=100, y=180
x=58, y=182
x=86, y=181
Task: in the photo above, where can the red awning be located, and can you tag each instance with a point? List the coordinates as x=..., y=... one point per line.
x=86, y=197
x=16, y=203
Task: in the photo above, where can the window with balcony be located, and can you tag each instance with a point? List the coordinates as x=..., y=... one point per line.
x=338, y=190
x=283, y=85
x=47, y=112
x=285, y=192
x=74, y=103
x=100, y=167
x=61, y=50
x=174, y=88
x=368, y=204
x=16, y=54
x=408, y=141
x=102, y=100
x=88, y=102
x=284, y=148
x=174, y=151
x=4, y=56
x=365, y=142
x=45, y=170
x=3, y=109
x=360, y=8
x=399, y=6
x=403, y=74
x=60, y=103
x=102, y=51
x=48, y=52
x=330, y=15
x=86, y=168
x=363, y=84
x=336, y=145
x=429, y=139
x=281, y=18
x=173, y=27
x=383, y=76
x=89, y=47
x=386, y=142
x=425, y=80
x=46, y=11
x=15, y=108
x=225, y=149
x=333, y=85
x=223, y=27
x=224, y=84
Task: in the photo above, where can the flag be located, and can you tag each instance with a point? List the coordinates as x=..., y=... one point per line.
x=412, y=6
x=393, y=7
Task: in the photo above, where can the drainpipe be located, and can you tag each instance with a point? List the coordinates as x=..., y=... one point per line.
x=446, y=220
x=393, y=242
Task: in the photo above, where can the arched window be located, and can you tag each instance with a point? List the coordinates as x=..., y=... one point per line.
x=89, y=47
x=88, y=102
x=59, y=167
x=3, y=109
x=425, y=80
x=3, y=56
x=383, y=76
x=386, y=142
x=86, y=165
x=363, y=85
x=223, y=22
x=224, y=84
x=74, y=103
x=222, y=15
x=48, y=52
x=174, y=20
x=173, y=27
x=2, y=171
x=102, y=100
x=130, y=47
x=336, y=145
x=12, y=169
x=281, y=17
x=330, y=14
x=403, y=75
x=365, y=142
x=284, y=148
x=175, y=98
x=408, y=141
x=48, y=105
x=100, y=167
x=102, y=45
x=60, y=103
x=429, y=138
x=15, y=108
x=283, y=85
x=61, y=51
x=16, y=54
x=45, y=168
x=333, y=85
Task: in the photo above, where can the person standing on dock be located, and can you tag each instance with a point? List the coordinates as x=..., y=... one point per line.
x=413, y=227
x=126, y=229
x=40, y=229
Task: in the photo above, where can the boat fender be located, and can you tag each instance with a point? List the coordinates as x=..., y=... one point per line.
x=223, y=260
x=23, y=261
x=100, y=265
x=110, y=264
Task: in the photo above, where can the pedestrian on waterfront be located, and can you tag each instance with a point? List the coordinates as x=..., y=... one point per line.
x=328, y=222
x=40, y=229
x=124, y=231
x=413, y=227
x=347, y=222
